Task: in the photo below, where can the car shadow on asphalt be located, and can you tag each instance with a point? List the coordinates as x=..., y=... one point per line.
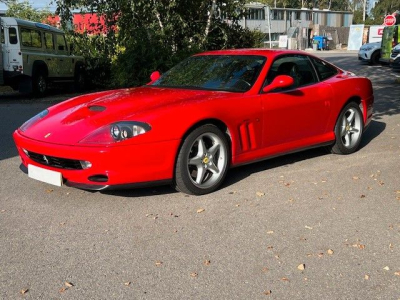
x=240, y=173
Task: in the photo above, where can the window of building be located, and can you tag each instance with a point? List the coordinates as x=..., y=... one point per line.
x=256, y=14
x=297, y=15
x=31, y=38
x=277, y=15
x=2, y=35
x=308, y=16
x=12, y=34
x=48, y=40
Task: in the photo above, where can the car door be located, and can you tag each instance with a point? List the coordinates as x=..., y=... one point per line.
x=297, y=116
x=63, y=57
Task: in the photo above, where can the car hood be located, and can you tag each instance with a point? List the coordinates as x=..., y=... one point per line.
x=70, y=121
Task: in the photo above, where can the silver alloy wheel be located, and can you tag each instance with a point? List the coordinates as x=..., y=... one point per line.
x=350, y=130
x=207, y=160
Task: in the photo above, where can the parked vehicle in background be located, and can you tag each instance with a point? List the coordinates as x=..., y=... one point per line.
x=34, y=54
x=395, y=58
x=370, y=52
x=390, y=38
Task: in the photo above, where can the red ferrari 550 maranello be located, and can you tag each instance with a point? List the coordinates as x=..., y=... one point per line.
x=213, y=111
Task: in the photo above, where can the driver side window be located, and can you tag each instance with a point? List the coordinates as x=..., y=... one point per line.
x=296, y=66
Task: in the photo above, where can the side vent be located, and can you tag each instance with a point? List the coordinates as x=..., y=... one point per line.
x=247, y=136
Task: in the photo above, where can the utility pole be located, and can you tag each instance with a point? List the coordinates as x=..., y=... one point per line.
x=364, y=6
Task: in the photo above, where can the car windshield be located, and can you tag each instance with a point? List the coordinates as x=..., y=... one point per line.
x=233, y=73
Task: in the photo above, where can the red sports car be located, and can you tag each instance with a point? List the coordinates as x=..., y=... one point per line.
x=187, y=127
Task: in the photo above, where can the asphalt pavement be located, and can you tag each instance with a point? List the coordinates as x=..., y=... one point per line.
x=311, y=225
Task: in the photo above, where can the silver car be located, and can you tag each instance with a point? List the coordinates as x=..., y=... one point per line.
x=370, y=52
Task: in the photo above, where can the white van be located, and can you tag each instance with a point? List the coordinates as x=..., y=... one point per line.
x=34, y=54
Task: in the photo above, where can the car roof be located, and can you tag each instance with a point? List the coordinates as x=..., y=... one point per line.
x=254, y=51
x=18, y=22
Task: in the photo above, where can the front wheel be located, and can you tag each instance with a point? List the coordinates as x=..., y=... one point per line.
x=348, y=129
x=202, y=161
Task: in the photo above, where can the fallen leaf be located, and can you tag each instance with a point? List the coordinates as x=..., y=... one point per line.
x=237, y=205
x=308, y=227
x=49, y=190
x=270, y=247
x=62, y=290
x=397, y=273
x=260, y=194
x=24, y=291
x=269, y=292
x=362, y=196
x=285, y=279
x=207, y=262
x=301, y=267
x=3, y=210
x=200, y=210
x=231, y=193
x=381, y=183
x=366, y=277
x=287, y=184
x=270, y=232
x=361, y=246
x=386, y=268
x=127, y=283
x=69, y=284
x=356, y=178
x=194, y=274
x=330, y=251
x=265, y=270
x=158, y=263
x=320, y=255
x=391, y=246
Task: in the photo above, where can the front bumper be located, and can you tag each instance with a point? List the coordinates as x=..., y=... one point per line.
x=123, y=166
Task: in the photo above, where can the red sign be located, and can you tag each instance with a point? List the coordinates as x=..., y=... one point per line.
x=389, y=20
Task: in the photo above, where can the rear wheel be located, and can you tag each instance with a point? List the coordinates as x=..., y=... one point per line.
x=202, y=161
x=348, y=129
x=39, y=83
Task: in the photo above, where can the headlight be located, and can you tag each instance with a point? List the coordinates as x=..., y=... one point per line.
x=116, y=132
x=33, y=120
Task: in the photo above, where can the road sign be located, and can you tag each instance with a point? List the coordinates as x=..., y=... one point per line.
x=389, y=20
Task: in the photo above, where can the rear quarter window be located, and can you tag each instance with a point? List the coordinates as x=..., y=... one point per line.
x=324, y=69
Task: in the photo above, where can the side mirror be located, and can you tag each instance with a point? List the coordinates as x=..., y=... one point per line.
x=155, y=76
x=281, y=81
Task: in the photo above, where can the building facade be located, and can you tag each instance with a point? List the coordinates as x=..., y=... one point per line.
x=299, y=24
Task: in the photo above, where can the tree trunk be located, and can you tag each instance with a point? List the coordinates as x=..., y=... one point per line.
x=209, y=20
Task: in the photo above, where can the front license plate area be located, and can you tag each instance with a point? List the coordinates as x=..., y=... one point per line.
x=48, y=176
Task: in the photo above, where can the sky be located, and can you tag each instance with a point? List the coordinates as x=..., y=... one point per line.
x=39, y=4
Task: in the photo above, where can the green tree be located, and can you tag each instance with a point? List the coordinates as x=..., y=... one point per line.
x=23, y=10
x=385, y=7
x=147, y=35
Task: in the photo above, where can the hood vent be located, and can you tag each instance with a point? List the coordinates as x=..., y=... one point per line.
x=97, y=108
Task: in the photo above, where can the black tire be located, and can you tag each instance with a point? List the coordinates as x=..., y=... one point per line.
x=39, y=83
x=80, y=79
x=375, y=58
x=349, y=129
x=202, y=161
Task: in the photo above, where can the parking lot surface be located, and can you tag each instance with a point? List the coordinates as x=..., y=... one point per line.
x=311, y=225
